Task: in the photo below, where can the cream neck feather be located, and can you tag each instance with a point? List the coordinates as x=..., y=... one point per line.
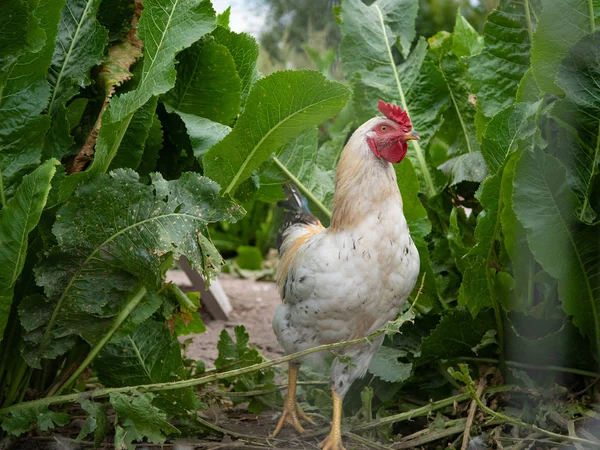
x=364, y=184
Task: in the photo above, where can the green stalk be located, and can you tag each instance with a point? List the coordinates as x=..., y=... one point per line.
x=302, y=188
x=427, y=409
x=157, y=387
x=529, y=24
x=139, y=295
x=419, y=151
x=520, y=365
x=591, y=8
x=2, y=196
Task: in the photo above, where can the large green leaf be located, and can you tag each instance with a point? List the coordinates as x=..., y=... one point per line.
x=386, y=365
x=560, y=26
x=504, y=132
x=579, y=149
x=149, y=355
x=24, y=95
x=165, y=31
x=17, y=219
x=135, y=138
x=456, y=335
x=244, y=50
x=278, y=108
x=566, y=249
x=369, y=35
x=79, y=46
x=39, y=417
x=137, y=419
x=300, y=158
x=114, y=236
x=498, y=69
x=203, y=133
x=207, y=83
x=515, y=242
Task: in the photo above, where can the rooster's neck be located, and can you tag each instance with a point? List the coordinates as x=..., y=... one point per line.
x=364, y=185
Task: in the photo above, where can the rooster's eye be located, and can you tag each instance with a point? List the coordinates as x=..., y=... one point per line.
x=383, y=128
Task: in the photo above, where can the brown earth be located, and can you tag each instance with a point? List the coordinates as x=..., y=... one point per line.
x=254, y=303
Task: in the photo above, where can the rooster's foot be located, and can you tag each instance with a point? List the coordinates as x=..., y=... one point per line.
x=292, y=414
x=332, y=442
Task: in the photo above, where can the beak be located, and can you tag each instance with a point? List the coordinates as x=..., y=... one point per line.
x=412, y=136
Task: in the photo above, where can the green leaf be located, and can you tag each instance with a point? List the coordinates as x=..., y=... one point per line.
x=420, y=227
x=203, y=133
x=96, y=422
x=465, y=163
x=223, y=18
x=79, y=46
x=465, y=40
x=386, y=365
x=278, y=108
x=504, y=132
x=300, y=157
x=40, y=417
x=566, y=249
x=113, y=235
x=248, y=258
x=456, y=335
x=579, y=77
x=137, y=419
x=14, y=17
x=151, y=148
x=165, y=31
x=560, y=26
x=496, y=72
x=23, y=96
x=369, y=34
x=244, y=50
x=149, y=355
x=17, y=219
x=515, y=242
x=207, y=83
x=135, y=138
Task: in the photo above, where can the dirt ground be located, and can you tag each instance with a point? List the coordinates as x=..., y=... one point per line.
x=254, y=304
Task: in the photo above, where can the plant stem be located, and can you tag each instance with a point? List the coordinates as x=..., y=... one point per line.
x=427, y=409
x=517, y=422
x=418, y=149
x=592, y=23
x=529, y=24
x=2, y=196
x=139, y=295
x=156, y=387
x=520, y=365
x=302, y=188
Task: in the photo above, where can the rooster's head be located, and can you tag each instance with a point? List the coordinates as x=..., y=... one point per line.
x=388, y=137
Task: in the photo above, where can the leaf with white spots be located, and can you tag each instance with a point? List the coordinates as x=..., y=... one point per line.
x=115, y=235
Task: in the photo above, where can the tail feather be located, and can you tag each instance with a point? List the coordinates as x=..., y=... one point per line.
x=297, y=211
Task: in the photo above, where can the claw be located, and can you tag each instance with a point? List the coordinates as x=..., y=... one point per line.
x=332, y=442
x=292, y=413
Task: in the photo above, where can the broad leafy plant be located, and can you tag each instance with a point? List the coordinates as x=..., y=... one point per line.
x=128, y=128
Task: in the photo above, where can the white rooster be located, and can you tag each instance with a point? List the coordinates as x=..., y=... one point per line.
x=348, y=280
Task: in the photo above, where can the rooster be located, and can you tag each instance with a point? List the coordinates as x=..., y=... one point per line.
x=348, y=280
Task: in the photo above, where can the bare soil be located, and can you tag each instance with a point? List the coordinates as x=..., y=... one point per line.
x=254, y=303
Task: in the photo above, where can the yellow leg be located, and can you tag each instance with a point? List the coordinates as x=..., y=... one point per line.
x=292, y=413
x=334, y=440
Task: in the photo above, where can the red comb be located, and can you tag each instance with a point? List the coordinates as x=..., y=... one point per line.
x=394, y=113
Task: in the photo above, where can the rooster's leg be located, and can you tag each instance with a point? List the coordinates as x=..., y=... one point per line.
x=292, y=413
x=334, y=440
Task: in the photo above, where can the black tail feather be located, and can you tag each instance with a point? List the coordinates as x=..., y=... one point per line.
x=297, y=210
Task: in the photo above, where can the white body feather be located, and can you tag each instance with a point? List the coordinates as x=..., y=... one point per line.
x=348, y=280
